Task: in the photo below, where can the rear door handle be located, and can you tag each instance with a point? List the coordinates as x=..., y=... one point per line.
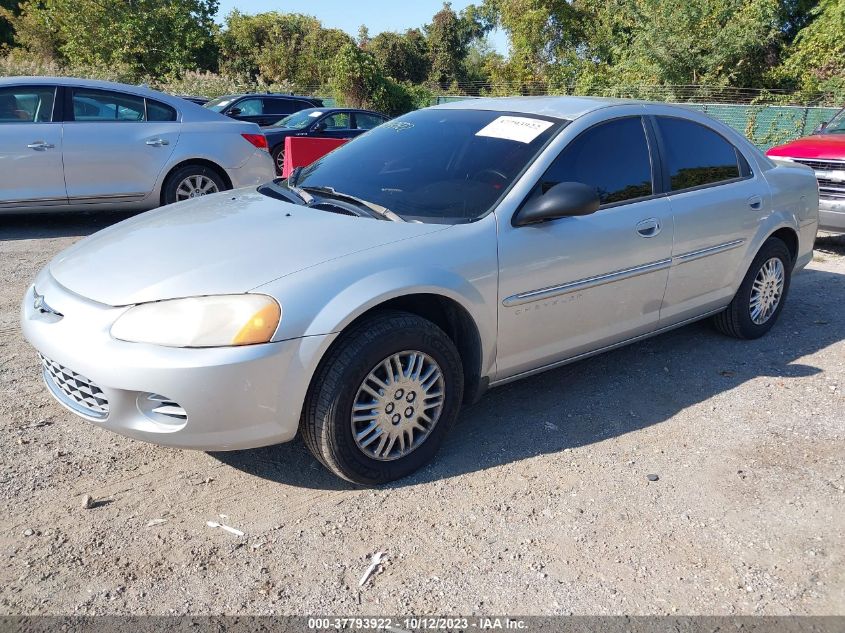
x=157, y=142
x=40, y=145
x=755, y=202
x=649, y=228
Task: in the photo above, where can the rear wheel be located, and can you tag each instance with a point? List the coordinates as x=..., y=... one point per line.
x=383, y=399
x=760, y=298
x=192, y=181
x=278, y=154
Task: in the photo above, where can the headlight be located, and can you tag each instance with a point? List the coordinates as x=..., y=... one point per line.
x=216, y=321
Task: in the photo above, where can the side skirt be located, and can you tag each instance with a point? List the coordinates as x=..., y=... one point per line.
x=572, y=359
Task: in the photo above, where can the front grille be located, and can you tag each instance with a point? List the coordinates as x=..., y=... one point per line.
x=75, y=391
x=828, y=188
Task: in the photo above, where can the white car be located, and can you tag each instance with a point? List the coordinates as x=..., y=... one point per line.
x=73, y=144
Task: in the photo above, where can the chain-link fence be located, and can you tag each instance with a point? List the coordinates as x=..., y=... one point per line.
x=765, y=125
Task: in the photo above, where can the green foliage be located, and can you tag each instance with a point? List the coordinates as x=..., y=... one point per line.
x=816, y=60
x=8, y=11
x=403, y=57
x=449, y=37
x=142, y=37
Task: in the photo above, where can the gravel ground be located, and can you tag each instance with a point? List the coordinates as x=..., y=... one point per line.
x=539, y=502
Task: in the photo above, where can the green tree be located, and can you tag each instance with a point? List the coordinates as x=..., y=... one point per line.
x=816, y=60
x=8, y=10
x=147, y=37
x=449, y=37
x=404, y=57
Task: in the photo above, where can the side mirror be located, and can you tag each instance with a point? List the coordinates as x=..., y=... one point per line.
x=319, y=127
x=562, y=200
x=820, y=127
x=234, y=112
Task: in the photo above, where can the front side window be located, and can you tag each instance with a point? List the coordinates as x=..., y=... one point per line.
x=337, y=121
x=367, y=121
x=613, y=157
x=695, y=154
x=220, y=103
x=437, y=166
x=837, y=124
x=27, y=104
x=104, y=105
x=250, y=107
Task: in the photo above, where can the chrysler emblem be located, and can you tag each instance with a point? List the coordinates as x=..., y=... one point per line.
x=41, y=306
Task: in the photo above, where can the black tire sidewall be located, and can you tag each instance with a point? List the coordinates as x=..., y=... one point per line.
x=342, y=450
x=279, y=149
x=771, y=248
x=180, y=174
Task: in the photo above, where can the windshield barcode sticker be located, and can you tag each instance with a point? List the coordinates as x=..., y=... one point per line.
x=515, y=128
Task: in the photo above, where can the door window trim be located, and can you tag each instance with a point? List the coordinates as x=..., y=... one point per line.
x=743, y=165
x=67, y=106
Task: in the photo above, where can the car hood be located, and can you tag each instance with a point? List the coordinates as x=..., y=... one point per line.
x=225, y=243
x=824, y=146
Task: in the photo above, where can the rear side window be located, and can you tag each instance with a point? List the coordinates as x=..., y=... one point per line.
x=695, y=154
x=27, y=104
x=104, y=105
x=281, y=106
x=613, y=157
x=157, y=111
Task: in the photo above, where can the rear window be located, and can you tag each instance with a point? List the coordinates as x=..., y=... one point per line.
x=695, y=154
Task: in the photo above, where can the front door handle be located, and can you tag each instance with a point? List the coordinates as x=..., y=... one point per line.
x=157, y=142
x=40, y=145
x=755, y=202
x=649, y=228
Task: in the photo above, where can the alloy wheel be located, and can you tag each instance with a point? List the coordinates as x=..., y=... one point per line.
x=195, y=186
x=767, y=290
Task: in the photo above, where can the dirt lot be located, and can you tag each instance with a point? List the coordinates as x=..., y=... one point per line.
x=539, y=502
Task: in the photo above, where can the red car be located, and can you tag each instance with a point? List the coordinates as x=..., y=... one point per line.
x=824, y=151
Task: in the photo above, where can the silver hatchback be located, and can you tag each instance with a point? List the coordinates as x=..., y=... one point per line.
x=453, y=249
x=74, y=144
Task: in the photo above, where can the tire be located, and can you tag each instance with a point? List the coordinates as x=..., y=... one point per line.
x=278, y=154
x=173, y=190
x=339, y=384
x=737, y=319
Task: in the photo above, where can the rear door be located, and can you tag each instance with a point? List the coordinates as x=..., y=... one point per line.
x=115, y=144
x=30, y=147
x=716, y=204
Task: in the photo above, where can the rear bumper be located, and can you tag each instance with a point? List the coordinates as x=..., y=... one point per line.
x=832, y=215
x=232, y=397
x=257, y=170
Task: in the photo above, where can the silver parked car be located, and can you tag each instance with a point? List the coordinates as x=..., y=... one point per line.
x=74, y=144
x=447, y=251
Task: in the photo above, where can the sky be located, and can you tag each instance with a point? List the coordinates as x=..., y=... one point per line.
x=378, y=15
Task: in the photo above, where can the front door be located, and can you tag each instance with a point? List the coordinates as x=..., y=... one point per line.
x=578, y=284
x=31, y=149
x=335, y=125
x=111, y=149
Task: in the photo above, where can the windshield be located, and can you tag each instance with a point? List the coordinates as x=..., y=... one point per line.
x=299, y=120
x=219, y=104
x=837, y=124
x=436, y=166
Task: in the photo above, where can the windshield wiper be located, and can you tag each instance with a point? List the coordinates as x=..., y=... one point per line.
x=379, y=210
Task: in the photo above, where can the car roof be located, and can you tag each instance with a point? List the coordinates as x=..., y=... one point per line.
x=279, y=95
x=557, y=107
x=189, y=111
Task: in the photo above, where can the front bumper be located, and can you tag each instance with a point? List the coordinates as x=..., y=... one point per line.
x=232, y=397
x=832, y=215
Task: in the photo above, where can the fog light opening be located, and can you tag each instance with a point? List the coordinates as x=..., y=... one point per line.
x=163, y=411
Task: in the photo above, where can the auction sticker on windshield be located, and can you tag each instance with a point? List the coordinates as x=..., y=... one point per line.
x=515, y=128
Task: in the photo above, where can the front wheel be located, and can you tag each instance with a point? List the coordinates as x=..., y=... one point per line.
x=760, y=298
x=383, y=398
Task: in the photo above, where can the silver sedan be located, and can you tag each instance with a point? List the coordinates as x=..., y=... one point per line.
x=73, y=144
x=457, y=248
